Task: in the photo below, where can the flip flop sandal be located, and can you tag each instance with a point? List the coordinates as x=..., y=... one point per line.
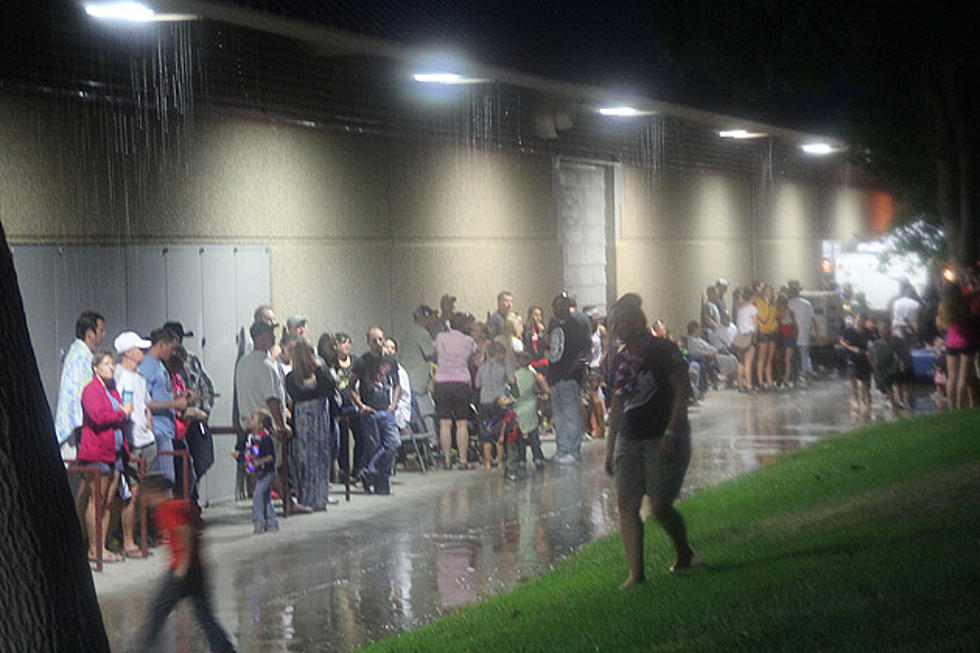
x=694, y=562
x=109, y=557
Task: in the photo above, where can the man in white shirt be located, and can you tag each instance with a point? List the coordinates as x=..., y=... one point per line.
x=701, y=348
x=403, y=410
x=806, y=326
x=723, y=337
x=138, y=430
x=905, y=314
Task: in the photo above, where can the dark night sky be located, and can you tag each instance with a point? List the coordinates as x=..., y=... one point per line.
x=615, y=44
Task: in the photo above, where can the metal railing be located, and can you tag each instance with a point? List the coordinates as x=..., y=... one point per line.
x=97, y=489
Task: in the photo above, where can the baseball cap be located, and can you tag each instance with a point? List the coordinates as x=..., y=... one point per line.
x=722, y=281
x=296, y=321
x=261, y=327
x=178, y=328
x=423, y=311
x=129, y=339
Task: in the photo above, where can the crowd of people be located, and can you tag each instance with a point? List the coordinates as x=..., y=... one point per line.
x=945, y=320
x=486, y=391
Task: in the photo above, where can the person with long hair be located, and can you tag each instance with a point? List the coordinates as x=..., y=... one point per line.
x=315, y=409
x=766, y=336
x=649, y=437
x=746, y=318
x=962, y=344
x=104, y=416
x=787, y=337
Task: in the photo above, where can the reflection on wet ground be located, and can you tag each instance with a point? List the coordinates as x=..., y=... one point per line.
x=346, y=584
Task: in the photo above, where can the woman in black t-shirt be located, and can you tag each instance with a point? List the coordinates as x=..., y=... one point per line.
x=649, y=444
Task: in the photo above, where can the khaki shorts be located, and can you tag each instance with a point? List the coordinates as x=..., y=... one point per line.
x=147, y=453
x=640, y=469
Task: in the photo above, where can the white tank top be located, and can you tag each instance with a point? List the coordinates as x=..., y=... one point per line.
x=596, y=350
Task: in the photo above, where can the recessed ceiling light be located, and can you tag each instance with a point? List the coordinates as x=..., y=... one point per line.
x=622, y=112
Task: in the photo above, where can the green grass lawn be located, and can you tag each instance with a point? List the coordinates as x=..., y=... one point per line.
x=868, y=541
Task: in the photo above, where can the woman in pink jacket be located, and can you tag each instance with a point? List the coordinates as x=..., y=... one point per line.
x=103, y=416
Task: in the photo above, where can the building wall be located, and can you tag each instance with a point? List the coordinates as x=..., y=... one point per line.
x=680, y=232
x=361, y=229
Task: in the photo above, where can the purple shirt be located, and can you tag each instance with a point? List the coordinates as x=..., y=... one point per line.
x=453, y=351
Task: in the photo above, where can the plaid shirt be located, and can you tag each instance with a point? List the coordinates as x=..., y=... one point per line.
x=198, y=382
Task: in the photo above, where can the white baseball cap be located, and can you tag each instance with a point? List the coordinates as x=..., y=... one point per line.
x=129, y=339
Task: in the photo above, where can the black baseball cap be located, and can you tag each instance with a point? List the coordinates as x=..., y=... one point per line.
x=178, y=329
x=424, y=311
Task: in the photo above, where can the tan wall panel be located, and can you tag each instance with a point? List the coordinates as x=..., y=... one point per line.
x=794, y=212
x=247, y=179
x=474, y=272
x=785, y=259
x=677, y=206
x=57, y=173
x=848, y=215
x=671, y=276
x=446, y=191
x=338, y=286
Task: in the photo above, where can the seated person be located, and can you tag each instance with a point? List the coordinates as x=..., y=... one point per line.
x=721, y=366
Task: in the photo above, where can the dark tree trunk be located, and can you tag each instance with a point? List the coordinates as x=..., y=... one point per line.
x=47, y=597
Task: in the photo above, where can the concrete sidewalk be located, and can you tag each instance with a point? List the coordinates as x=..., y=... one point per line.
x=380, y=565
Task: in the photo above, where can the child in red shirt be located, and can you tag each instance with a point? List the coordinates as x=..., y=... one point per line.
x=505, y=426
x=179, y=524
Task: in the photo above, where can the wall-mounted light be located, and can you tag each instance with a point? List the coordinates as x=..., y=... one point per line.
x=438, y=78
x=449, y=79
x=133, y=12
x=620, y=112
x=949, y=274
x=819, y=149
x=739, y=134
x=120, y=11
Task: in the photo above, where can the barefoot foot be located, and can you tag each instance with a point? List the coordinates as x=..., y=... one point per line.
x=631, y=580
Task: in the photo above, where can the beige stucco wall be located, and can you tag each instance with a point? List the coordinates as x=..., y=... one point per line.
x=680, y=232
x=361, y=229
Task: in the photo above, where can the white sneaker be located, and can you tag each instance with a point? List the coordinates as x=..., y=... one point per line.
x=566, y=459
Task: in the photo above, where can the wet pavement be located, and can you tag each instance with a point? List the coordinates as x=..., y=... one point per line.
x=379, y=566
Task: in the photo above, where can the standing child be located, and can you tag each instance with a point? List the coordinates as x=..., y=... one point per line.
x=258, y=454
x=529, y=384
x=491, y=380
x=855, y=340
x=504, y=425
x=179, y=523
x=886, y=364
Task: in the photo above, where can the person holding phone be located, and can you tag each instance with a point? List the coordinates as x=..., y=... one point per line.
x=138, y=431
